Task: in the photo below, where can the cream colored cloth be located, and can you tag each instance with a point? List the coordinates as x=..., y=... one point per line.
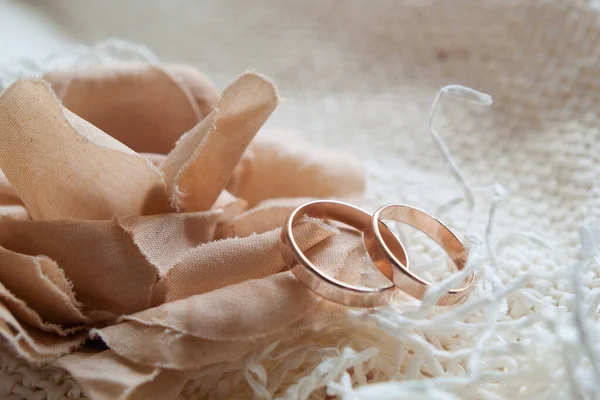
x=120, y=246
x=362, y=78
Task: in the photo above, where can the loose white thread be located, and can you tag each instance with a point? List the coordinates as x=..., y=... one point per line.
x=463, y=93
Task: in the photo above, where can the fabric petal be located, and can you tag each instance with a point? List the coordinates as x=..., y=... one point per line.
x=280, y=164
x=146, y=107
x=227, y=262
x=42, y=285
x=62, y=167
x=107, y=376
x=200, y=165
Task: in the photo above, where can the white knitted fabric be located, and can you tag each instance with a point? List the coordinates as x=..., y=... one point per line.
x=362, y=78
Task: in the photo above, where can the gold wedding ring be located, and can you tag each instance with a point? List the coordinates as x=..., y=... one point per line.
x=384, y=248
x=327, y=286
x=403, y=278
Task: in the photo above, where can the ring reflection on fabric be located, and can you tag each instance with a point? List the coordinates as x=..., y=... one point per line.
x=327, y=286
x=409, y=282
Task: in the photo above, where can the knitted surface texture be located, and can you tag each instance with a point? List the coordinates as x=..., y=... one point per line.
x=518, y=180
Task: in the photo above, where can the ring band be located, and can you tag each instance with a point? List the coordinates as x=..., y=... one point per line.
x=324, y=285
x=402, y=277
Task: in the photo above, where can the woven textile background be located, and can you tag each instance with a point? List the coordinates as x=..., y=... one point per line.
x=362, y=77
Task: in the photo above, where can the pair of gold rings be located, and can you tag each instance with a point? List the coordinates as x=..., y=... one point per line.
x=384, y=248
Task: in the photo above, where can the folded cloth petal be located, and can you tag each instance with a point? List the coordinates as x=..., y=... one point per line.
x=114, y=264
x=163, y=239
x=201, y=164
x=107, y=270
x=227, y=262
x=107, y=376
x=269, y=303
x=165, y=348
x=41, y=285
x=25, y=314
x=282, y=164
x=62, y=167
x=191, y=333
x=146, y=107
x=34, y=345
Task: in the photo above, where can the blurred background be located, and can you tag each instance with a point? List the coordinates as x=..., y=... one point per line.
x=361, y=77
x=220, y=37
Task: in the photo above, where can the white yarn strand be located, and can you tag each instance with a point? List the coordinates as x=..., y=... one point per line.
x=463, y=93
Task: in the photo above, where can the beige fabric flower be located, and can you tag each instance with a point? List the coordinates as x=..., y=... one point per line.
x=141, y=212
